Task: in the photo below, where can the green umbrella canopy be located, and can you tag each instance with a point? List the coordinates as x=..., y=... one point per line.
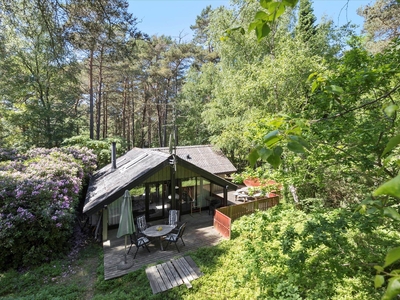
x=126, y=225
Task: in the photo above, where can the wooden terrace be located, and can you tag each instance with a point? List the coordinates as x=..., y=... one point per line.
x=199, y=233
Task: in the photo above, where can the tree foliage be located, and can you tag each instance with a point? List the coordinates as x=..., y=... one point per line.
x=382, y=23
x=316, y=254
x=306, y=28
x=39, y=78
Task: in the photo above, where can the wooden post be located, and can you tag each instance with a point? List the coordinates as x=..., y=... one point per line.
x=105, y=224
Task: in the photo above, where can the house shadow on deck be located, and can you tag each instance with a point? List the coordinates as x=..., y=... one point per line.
x=199, y=233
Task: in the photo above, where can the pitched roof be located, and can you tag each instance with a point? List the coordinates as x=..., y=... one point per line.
x=133, y=168
x=107, y=185
x=206, y=157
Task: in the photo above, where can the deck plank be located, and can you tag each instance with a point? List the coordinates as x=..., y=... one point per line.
x=189, y=269
x=153, y=275
x=182, y=273
x=164, y=277
x=174, y=272
x=171, y=272
x=195, y=268
x=184, y=266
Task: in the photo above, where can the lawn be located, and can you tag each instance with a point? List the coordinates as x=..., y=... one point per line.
x=283, y=253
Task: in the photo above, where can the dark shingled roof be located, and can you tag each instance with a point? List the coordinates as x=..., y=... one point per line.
x=134, y=167
x=107, y=185
x=204, y=156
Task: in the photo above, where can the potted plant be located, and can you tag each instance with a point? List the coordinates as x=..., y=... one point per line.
x=237, y=178
x=251, y=191
x=253, y=177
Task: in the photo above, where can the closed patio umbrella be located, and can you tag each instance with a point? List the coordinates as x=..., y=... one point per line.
x=126, y=225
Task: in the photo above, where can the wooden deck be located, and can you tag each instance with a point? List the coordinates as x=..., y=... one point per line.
x=199, y=233
x=173, y=273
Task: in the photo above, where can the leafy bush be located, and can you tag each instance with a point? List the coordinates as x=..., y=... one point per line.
x=39, y=193
x=325, y=254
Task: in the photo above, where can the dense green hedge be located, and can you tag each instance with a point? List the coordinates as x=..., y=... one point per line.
x=325, y=254
x=39, y=193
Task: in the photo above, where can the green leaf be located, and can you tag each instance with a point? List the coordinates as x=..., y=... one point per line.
x=253, y=25
x=300, y=140
x=277, y=122
x=296, y=131
x=295, y=147
x=371, y=210
x=272, y=6
x=274, y=160
x=311, y=76
x=291, y=3
x=276, y=9
x=378, y=268
x=262, y=30
x=393, y=142
x=379, y=281
x=391, y=110
x=270, y=135
x=279, y=11
x=393, y=288
x=253, y=156
x=391, y=213
x=278, y=150
x=265, y=3
x=392, y=256
x=337, y=89
x=304, y=143
x=264, y=153
x=391, y=187
x=261, y=15
x=314, y=86
x=273, y=141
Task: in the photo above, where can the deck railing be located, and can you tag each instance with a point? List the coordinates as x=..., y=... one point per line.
x=224, y=216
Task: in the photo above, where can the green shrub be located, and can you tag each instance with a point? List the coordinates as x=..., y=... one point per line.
x=324, y=254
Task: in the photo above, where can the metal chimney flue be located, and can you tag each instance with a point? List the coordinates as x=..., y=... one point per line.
x=113, y=156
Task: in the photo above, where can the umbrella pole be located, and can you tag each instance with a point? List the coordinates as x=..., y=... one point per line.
x=125, y=250
x=125, y=264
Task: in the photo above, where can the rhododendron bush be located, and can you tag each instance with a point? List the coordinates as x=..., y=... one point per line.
x=39, y=194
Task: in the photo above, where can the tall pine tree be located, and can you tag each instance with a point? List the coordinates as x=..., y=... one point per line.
x=306, y=28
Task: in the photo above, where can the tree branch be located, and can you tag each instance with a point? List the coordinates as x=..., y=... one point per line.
x=358, y=107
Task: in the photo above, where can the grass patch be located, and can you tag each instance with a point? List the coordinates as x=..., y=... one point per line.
x=61, y=279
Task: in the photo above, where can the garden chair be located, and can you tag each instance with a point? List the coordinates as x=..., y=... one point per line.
x=174, y=237
x=173, y=218
x=138, y=242
x=142, y=224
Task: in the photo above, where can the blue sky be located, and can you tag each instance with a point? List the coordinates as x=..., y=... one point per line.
x=172, y=17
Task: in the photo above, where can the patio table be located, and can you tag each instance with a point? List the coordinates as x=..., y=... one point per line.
x=156, y=232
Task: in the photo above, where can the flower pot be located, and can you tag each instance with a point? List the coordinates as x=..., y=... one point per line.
x=252, y=182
